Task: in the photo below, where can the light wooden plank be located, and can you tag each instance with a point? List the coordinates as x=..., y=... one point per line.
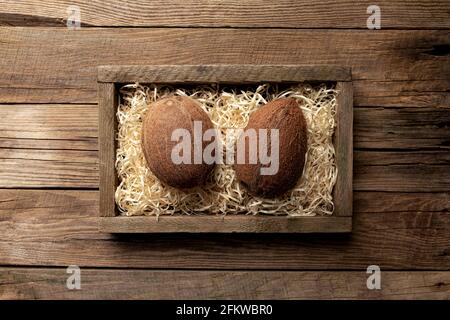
x=403, y=242
x=74, y=127
x=400, y=202
x=49, y=284
x=49, y=127
x=70, y=75
x=219, y=73
x=386, y=157
x=412, y=171
x=44, y=168
x=227, y=224
x=59, y=228
x=373, y=170
x=233, y=13
x=107, y=126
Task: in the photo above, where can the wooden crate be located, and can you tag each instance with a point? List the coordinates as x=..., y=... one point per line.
x=111, y=77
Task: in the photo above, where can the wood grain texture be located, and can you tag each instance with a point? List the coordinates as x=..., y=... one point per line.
x=28, y=75
x=220, y=73
x=59, y=228
x=343, y=144
x=414, y=127
x=249, y=14
x=387, y=157
x=395, y=94
x=49, y=127
x=43, y=168
x=107, y=128
x=404, y=228
x=227, y=224
x=404, y=150
x=46, y=283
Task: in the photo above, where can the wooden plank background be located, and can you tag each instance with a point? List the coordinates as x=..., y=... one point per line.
x=233, y=13
x=49, y=154
x=149, y=284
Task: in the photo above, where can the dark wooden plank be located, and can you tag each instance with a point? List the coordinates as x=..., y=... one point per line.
x=50, y=283
x=234, y=74
x=343, y=142
x=395, y=94
x=386, y=157
x=406, y=171
x=49, y=146
x=70, y=76
x=414, y=127
x=59, y=228
x=107, y=125
x=226, y=224
x=234, y=13
x=400, y=202
x=402, y=178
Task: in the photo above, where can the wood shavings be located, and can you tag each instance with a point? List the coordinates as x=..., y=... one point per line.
x=141, y=193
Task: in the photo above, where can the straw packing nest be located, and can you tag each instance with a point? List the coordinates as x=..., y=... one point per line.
x=141, y=193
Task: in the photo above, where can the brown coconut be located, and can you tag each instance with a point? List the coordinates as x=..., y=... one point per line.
x=163, y=117
x=286, y=116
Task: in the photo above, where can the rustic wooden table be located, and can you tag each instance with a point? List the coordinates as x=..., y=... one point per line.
x=49, y=153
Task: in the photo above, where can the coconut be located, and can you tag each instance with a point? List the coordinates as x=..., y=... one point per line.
x=168, y=126
x=281, y=120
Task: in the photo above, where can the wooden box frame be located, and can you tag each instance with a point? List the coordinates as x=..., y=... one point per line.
x=110, y=77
